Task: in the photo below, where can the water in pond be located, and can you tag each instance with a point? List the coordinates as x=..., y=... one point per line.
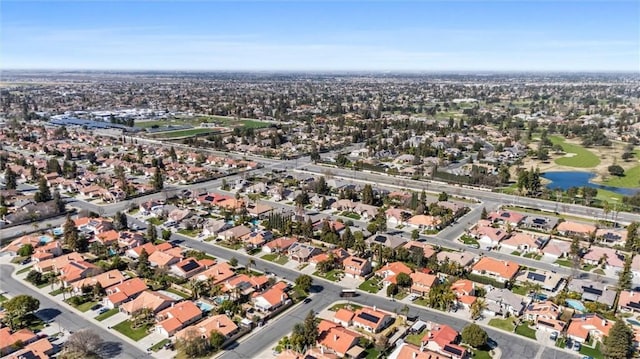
x=565, y=180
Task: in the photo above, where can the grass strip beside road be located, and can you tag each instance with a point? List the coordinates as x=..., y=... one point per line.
x=108, y=314
x=24, y=270
x=157, y=346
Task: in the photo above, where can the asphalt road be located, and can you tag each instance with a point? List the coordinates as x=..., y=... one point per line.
x=113, y=347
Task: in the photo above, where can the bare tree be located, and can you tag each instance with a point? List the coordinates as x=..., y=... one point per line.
x=85, y=343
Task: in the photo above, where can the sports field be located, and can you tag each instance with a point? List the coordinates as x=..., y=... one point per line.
x=578, y=156
x=185, y=133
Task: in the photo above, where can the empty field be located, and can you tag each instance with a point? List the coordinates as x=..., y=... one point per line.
x=185, y=133
x=581, y=157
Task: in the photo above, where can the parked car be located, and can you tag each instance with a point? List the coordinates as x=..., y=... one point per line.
x=96, y=307
x=576, y=346
x=103, y=310
x=554, y=335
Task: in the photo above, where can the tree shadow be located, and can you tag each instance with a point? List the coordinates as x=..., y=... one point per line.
x=110, y=349
x=48, y=314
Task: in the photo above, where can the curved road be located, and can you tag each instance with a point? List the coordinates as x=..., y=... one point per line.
x=114, y=347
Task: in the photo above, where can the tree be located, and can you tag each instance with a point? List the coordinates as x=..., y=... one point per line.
x=443, y=197
x=60, y=204
x=415, y=234
x=216, y=340
x=233, y=261
x=44, y=193
x=632, y=237
x=474, y=335
x=143, y=268
x=304, y=282
x=305, y=334
x=10, y=178
x=404, y=280
x=158, y=180
x=97, y=291
x=120, y=221
x=194, y=345
x=152, y=233
x=392, y=289
x=84, y=343
x=26, y=250
x=18, y=307
x=197, y=287
x=616, y=170
x=477, y=308
x=367, y=194
x=72, y=238
x=625, y=276
x=484, y=214
x=619, y=343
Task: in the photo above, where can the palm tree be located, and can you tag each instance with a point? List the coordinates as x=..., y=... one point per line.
x=477, y=308
x=250, y=263
x=359, y=246
x=197, y=287
x=448, y=298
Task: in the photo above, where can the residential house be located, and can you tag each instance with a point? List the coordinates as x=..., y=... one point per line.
x=540, y=223
x=238, y=233
x=356, y=267
x=523, y=243
x=244, y=285
x=422, y=283
x=608, y=257
x=123, y=292
x=279, y=245
x=220, y=323
x=397, y=217
x=189, y=267
x=47, y=251
x=586, y=326
x=556, y=249
x=270, y=300
x=611, y=236
x=422, y=221
x=426, y=248
x=40, y=349
x=410, y=351
x=259, y=210
x=220, y=272
x=54, y=264
x=489, y=237
x=211, y=227
x=390, y=271
x=548, y=281
x=629, y=301
x=106, y=280
x=465, y=291
x=336, y=339
x=513, y=219
x=593, y=291
x=464, y=259
x=501, y=271
x=501, y=301
x=13, y=247
x=545, y=315
x=443, y=339
x=344, y=317
x=386, y=240
x=8, y=339
x=155, y=301
x=302, y=252
x=582, y=230
x=371, y=320
x=177, y=317
x=77, y=270
x=163, y=259
x=258, y=239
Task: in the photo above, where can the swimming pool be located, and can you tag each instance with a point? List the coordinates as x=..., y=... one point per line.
x=633, y=322
x=205, y=307
x=575, y=304
x=540, y=297
x=45, y=239
x=57, y=231
x=221, y=298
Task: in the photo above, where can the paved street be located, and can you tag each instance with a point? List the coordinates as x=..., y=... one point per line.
x=114, y=347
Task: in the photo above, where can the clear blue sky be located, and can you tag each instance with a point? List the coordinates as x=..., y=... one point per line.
x=334, y=35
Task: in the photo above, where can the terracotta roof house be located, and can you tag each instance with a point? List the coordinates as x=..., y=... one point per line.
x=153, y=300
x=463, y=287
x=188, y=267
x=443, y=339
x=629, y=301
x=371, y=320
x=135, y=252
x=279, y=245
x=556, y=249
x=488, y=236
x=512, y=218
x=356, y=267
x=343, y=317
x=337, y=339
x=16, y=244
x=106, y=280
x=220, y=323
x=8, y=339
x=220, y=272
x=410, y=351
x=107, y=238
x=569, y=228
x=163, y=259
x=585, y=326
x=500, y=270
x=54, y=264
x=523, y=242
x=77, y=270
x=426, y=248
x=40, y=349
x=245, y=284
x=47, y=251
x=177, y=317
x=123, y=292
x=397, y=216
x=422, y=283
x=391, y=270
x=422, y=221
x=545, y=315
x=270, y=299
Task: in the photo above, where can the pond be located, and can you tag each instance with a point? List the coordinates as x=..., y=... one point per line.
x=565, y=180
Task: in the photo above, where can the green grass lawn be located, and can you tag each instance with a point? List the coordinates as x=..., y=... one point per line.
x=504, y=324
x=525, y=331
x=516, y=253
x=519, y=290
x=177, y=292
x=333, y=275
x=532, y=255
x=351, y=215
x=401, y=295
x=135, y=334
x=481, y=354
x=371, y=285
x=24, y=270
x=372, y=353
x=108, y=314
x=276, y=258
x=157, y=346
x=599, y=271
x=189, y=232
x=349, y=306
x=630, y=179
x=609, y=196
x=588, y=267
x=564, y=262
x=155, y=221
x=583, y=158
x=595, y=353
x=3, y=298
x=56, y=292
x=416, y=339
x=469, y=240
x=185, y=133
x=86, y=306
